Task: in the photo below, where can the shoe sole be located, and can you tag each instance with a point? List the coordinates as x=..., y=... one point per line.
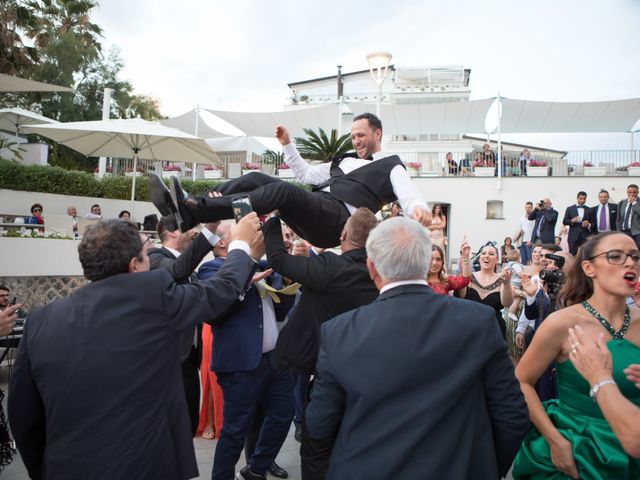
x=160, y=195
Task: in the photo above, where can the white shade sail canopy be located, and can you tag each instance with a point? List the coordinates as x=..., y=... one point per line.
x=124, y=138
x=236, y=144
x=526, y=116
x=13, y=119
x=263, y=124
x=11, y=83
x=518, y=116
x=187, y=123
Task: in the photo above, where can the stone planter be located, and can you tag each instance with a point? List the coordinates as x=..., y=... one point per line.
x=247, y=171
x=171, y=173
x=286, y=173
x=594, y=171
x=414, y=172
x=131, y=174
x=537, y=171
x=484, y=171
x=209, y=174
x=633, y=171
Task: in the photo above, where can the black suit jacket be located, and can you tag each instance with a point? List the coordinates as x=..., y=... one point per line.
x=332, y=284
x=417, y=385
x=576, y=232
x=96, y=390
x=594, y=220
x=547, y=232
x=182, y=269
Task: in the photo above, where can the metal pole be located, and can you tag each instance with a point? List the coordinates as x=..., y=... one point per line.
x=133, y=184
x=193, y=169
x=378, y=100
x=106, y=108
x=499, y=155
x=339, y=116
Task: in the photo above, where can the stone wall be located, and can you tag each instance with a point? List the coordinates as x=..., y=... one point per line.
x=35, y=292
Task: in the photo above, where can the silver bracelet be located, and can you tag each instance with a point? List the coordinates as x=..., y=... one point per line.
x=596, y=388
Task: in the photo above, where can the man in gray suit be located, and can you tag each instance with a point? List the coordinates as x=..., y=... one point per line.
x=629, y=214
x=96, y=390
x=416, y=385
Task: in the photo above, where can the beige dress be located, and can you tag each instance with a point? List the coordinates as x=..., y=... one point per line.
x=437, y=236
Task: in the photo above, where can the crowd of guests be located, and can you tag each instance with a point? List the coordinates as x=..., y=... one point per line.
x=395, y=367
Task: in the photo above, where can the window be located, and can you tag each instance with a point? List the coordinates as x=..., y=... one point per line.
x=494, y=210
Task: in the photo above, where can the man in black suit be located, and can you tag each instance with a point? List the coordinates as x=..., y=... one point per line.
x=331, y=284
x=371, y=180
x=416, y=385
x=96, y=389
x=181, y=253
x=602, y=218
x=545, y=217
x=628, y=220
x=575, y=216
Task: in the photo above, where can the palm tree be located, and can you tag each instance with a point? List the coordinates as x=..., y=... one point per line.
x=270, y=157
x=319, y=146
x=15, y=56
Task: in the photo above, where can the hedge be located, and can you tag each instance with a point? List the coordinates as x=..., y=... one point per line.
x=46, y=179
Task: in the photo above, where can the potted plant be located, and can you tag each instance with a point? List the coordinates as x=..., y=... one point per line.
x=588, y=170
x=480, y=169
x=107, y=172
x=414, y=168
x=171, y=170
x=633, y=170
x=128, y=172
x=249, y=167
x=284, y=171
x=537, y=168
x=213, y=171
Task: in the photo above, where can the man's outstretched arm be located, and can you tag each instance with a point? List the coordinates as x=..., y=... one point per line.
x=310, y=174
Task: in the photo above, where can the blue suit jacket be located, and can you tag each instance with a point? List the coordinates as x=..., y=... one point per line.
x=237, y=335
x=417, y=385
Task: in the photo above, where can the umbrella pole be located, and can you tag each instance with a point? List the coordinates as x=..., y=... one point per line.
x=133, y=183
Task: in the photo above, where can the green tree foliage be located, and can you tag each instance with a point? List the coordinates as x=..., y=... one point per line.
x=67, y=52
x=319, y=146
x=15, y=56
x=270, y=157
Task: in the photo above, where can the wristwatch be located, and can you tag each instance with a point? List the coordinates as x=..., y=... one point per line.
x=596, y=388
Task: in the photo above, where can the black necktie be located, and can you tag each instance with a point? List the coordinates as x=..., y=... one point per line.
x=627, y=215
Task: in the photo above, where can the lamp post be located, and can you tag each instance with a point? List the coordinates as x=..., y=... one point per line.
x=378, y=67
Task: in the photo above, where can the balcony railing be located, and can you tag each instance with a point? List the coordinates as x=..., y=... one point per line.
x=434, y=164
x=560, y=164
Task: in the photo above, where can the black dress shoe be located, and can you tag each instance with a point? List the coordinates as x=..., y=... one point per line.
x=247, y=474
x=186, y=207
x=298, y=434
x=160, y=195
x=277, y=471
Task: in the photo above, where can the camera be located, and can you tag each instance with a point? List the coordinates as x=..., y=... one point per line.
x=552, y=276
x=541, y=203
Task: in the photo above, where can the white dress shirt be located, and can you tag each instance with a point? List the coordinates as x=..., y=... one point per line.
x=391, y=285
x=403, y=187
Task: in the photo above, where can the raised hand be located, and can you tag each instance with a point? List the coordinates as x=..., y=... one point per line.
x=282, y=134
x=422, y=215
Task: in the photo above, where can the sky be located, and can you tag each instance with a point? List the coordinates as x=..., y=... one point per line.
x=240, y=55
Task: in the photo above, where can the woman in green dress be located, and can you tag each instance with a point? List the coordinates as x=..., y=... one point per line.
x=570, y=438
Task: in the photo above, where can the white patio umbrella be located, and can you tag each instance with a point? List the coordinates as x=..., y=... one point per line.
x=129, y=138
x=12, y=119
x=11, y=83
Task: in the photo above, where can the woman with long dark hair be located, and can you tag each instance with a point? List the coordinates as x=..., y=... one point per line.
x=437, y=277
x=437, y=227
x=570, y=436
x=489, y=287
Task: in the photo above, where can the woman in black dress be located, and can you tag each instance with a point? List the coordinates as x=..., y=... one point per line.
x=491, y=288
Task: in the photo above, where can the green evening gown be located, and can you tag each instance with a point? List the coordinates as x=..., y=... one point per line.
x=596, y=450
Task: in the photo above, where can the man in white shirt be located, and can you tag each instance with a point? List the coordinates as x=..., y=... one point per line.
x=525, y=234
x=371, y=180
x=95, y=213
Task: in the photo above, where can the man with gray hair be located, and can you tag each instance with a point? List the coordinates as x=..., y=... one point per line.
x=429, y=371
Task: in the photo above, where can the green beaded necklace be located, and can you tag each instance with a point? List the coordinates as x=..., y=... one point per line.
x=615, y=335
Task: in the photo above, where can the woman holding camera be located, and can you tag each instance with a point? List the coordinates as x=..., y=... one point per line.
x=570, y=436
